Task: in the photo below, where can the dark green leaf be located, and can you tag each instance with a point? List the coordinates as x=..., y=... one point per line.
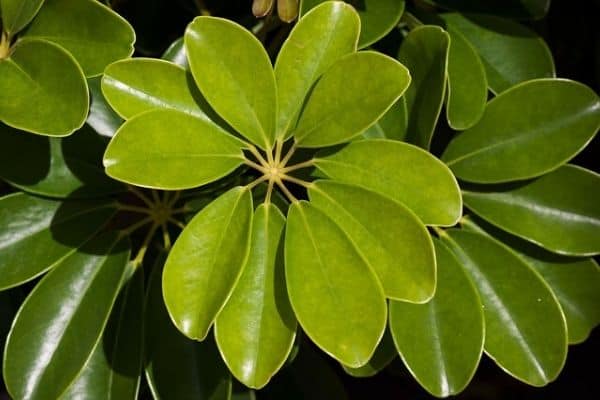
x=206, y=262
x=518, y=9
x=384, y=354
x=102, y=117
x=392, y=125
x=403, y=172
x=16, y=14
x=176, y=54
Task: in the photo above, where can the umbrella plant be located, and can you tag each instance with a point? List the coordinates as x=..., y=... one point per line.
x=229, y=203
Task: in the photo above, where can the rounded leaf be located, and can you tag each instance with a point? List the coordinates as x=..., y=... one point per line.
x=525, y=329
x=95, y=35
x=346, y=100
x=43, y=89
x=401, y=171
x=337, y=299
x=319, y=39
x=526, y=131
x=256, y=328
x=441, y=342
x=234, y=73
x=16, y=14
x=168, y=149
x=206, y=262
x=389, y=237
x=383, y=356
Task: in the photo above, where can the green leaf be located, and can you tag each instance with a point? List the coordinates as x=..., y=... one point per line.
x=93, y=33
x=526, y=333
x=56, y=167
x=511, y=53
x=467, y=83
x=16, y=14
x=183, y=369
x=401, y=171
x=113, y=370
x=140, y=84
x=318, y=40
x=526, y=131
x=168, y=149
x=441, y=341
x=574, y=281
x=43, y=89
x=206, y=262
x=378, y=17
x=43, y=356
x=256, y=328
x=424, y=51
x=43, y=232
x=388, y=236
x=176, y=54
x=517, y=9
x=392, y=125
x=234, y=73
x=346, y=100
x=337, y=300
x=558, y=211
x=384, y=354
x=102, y=117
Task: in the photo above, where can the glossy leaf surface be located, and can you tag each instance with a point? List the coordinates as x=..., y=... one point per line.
x=56, y=167
x=176, y=54
x=141, y=84
x=206, y=262
x=102, y=118
x=173, y=150
x=43, y=356
x=234, y=73
x=511, y=53
x=377, y=17
x=318, y=40
x=441, y=341
x=93, y=33
x=467, y=83
x=178, y=368
x=564, y=221
x=526, y=131
x=36, y=234
x=49, y=97
x=256, y=328
x=389, y=237
x=113, y=371
x=525, y=328
x=425, y=53
x=403, y=172
x=517, y=9
x=324, y=290
x=16, y=14
x=340, y=106
x=384, y=354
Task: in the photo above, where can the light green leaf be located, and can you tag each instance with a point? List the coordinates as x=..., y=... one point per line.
x=346, y=100
x=378, y=17
x=526, y=131
x=113, y=370
x=185, y=369
x=441, y=341
x=43, y=356
x=256, y=328
x=337, y=300
x=43, y=89
x=401, y=171
x=176, y=54
x=467, y=83
x=168, y=149
x=526, y=333
x=384, y=354
x=234, y=73
x=511, y=53
x=43, y=232
x=558, y=211
x=93, y=33
x=517, y=9
x=206, y=262
x=388, y=236
x=318, y=40
x=56, y=167
x=102, y=117
x=140, y=84
x=16, y=14
x=425, y=53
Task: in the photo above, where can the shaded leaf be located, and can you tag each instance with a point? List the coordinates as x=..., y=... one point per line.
x=102, y=117
x=392, y=125
x=384, y=354
x=16, y=14
x=176, y=54
x=517, y=9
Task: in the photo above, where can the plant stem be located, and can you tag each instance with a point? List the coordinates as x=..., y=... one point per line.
x=178, y=224
x=305, y=164
x=278, y=149
x=127, y=207
x=174, y=199
x=254, y=165
x=136, y=226
x=285, y=190
x=139, y=194
x=4, y=45
x=166, y=237
x=139, y=258
x=269, y=191
x=297, y=181
x=155, y=196
x=289, y=154
x=439, y=231
x=256, y=182
x=258, y=156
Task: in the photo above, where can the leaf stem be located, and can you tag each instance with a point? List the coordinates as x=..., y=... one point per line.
x=269, y=191
x=258, y=156
x=305, y=164
x=177, y=223
x=155, y=196
x=174, y=199
x=139, y=194
x=256, y=181
x=285, y=190
x=132, y=228
x=166, y=237
x=254, y=165
x=289, y=154
x=127, y=207
x=278, y=149
x=439, y=231
x=297, y=181
x=139, y=258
